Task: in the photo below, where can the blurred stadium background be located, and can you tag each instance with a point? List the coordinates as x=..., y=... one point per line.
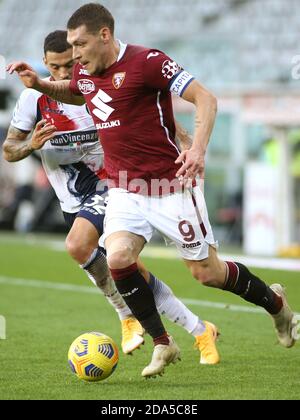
x=246, y=52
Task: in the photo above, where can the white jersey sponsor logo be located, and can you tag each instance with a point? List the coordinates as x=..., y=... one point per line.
x=86, y=86
x=169, y=69
x=83, y=72
x=152, y=54
x=102, y=110
x=110, y=124
x=79, y=137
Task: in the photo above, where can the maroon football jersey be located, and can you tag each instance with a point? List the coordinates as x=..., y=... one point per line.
x=132, y=109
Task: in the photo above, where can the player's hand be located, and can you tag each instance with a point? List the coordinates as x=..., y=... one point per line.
x=193, y=164
x=42, y=133
x=26, y=73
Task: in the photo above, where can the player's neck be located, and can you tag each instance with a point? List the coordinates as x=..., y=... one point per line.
x=113, y=54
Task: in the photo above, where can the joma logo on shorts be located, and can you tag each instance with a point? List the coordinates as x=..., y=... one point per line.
x=194, y=245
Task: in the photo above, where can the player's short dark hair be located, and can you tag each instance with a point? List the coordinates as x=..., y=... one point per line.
x=94, y=16
x=56, y=42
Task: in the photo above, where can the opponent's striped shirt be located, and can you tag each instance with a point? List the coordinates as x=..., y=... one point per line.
x=73, y=159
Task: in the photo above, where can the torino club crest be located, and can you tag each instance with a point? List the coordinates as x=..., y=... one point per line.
x=118, y=79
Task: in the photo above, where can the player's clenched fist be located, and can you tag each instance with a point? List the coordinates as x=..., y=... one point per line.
x=26, y=73
x=43, y=132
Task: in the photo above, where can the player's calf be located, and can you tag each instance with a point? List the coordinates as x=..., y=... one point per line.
x=240, y=281
x=208, y=274
x=139, y=298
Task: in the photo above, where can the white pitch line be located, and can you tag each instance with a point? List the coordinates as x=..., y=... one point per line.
x=258, y=262
x=12, y=281
x=157, y=252
x=40, y=284
x=219, y=305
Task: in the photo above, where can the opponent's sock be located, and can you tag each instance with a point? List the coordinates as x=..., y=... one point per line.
x=98, y=272
x=240, y=281
x=139, y=297
x=173, y=309
x=199, y=329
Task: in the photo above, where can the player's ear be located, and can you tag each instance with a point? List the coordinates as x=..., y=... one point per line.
x=105, y=34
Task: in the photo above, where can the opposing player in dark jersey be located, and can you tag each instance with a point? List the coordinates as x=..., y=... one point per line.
x=72, y=157
x=128, y=92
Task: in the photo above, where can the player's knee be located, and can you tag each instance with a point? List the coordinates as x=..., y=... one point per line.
x=120, y=259
x=78, y=250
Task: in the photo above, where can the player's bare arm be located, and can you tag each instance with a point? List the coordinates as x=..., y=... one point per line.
x=206, y=108
x=59, y=91
x=16, y=145
x=183, y=136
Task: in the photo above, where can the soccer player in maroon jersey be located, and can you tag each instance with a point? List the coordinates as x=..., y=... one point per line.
x=128, y=91
x=70, y=150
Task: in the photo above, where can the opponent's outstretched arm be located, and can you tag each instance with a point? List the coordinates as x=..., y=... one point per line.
x=59, y=91
x=16, y=145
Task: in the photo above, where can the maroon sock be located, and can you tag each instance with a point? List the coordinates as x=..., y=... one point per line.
x=242, y=282
x=163, y=339
x=139, y=297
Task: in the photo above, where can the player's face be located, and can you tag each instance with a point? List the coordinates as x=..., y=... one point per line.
x=91, y=50
x=60, y=65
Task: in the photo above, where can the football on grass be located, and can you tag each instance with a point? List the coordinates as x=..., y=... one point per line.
x=93, y=356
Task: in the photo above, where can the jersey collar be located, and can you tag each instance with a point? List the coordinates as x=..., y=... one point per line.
x=122, y=50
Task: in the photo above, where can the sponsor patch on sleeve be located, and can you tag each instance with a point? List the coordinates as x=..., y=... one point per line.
x=181, y=82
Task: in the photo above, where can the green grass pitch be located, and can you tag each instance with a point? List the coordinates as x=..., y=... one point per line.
x=43, y=321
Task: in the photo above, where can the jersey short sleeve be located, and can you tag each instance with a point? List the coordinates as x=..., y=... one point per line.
x=162, y=72
x=25, y=112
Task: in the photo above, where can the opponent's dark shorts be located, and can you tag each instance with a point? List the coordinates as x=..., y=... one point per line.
x=93, y=209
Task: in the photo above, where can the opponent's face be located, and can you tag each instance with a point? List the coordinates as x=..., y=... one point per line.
x=60, y=65
x=92, y=50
